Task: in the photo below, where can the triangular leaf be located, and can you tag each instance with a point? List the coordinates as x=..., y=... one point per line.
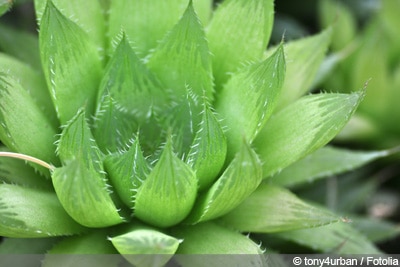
x=24, y=127
x=237, y=34
x=83, y=178
x=182, y=58
x=240, y=179
x=144, y=246
x=168, y=193
x=249, y=97
x=273, y=209
x=208, y=151
x=72, y=71
x=303, y=127
x=326, y=161
x=26, y=212
x=212, y=243
x=127, y=171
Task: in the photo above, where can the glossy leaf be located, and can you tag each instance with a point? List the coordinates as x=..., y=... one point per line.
x=211, y=245
x=229, y=48
x=72, y=71
x=144, y=246
x=182, y=59
x=240, y=179
x=87, y=15
x=339, y=238
x=273, y=209
x=303, y=60
x=326, y=161
x=303, y=127
x=82, y=177
x=26, y=212
x=127, y=171
x=24, y=127
x=168, y=193
x=208, y=151
x=249, y=97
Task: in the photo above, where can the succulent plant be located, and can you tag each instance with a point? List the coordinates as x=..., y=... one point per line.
x=154, y=128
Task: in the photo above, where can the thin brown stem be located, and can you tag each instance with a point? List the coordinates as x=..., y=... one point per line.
x=27, y=158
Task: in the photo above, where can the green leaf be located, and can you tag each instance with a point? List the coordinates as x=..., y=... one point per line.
x=208, y=151
x=303, y=127
x=144, y=246
x=326, y=161
x=72, y=71
x=168, y=193
x=5, y=5
x=339, y=238
x=127, y=171
x=82, y=177
x=12, y=246
x=24, y=127
x=134, y=18
x=182, y=59
x=240, y=179
x=27, y=212
x=303, y=60
x=376, y=230
x=274, y=209
x=212, y=243
x=237, y=34
x=88, y=15
x=249, y=97
x=21, y=45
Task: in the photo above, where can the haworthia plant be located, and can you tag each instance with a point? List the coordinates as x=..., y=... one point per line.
x=162, y=126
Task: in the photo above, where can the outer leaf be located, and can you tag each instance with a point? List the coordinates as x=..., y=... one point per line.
x=240, y=179
x=133, y=18
x=127, y=172
x=326, y=161
x=82, y=178
x=5, y=5
x=72, y=71
x=211, y=243
x=338, y=238
x=376, y=230
x=26, y=212
x=143, y=246
x=168, y=193
x=23, y=125
x=273, y=209
x=237, y=35
x=26, y=246
x=182, y=59
x=303, y=127
x=303, y=58
x=249, y=97
x=21, y=45
x=208, y=151
x=88, y=15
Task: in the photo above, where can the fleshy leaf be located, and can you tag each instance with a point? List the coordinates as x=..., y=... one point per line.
x=144, y=246
x=212, y=243
x=25, y=246
x=326, y=161
x=5, y=5
x=208, y=151
x=127, y=171
x=182, y=59
x=88, y=15
x=303, y=127
x=168, y=193
x=376, y=230
x=82, y=177
x=303, y=59
x=230, y=50
x=134, y=18
x=338, y=238
x=24, y=127
x=26, y=212
x=21, y=45
x=72, y=71
x=240, y=179
x=249, y=97
x=273, y=209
